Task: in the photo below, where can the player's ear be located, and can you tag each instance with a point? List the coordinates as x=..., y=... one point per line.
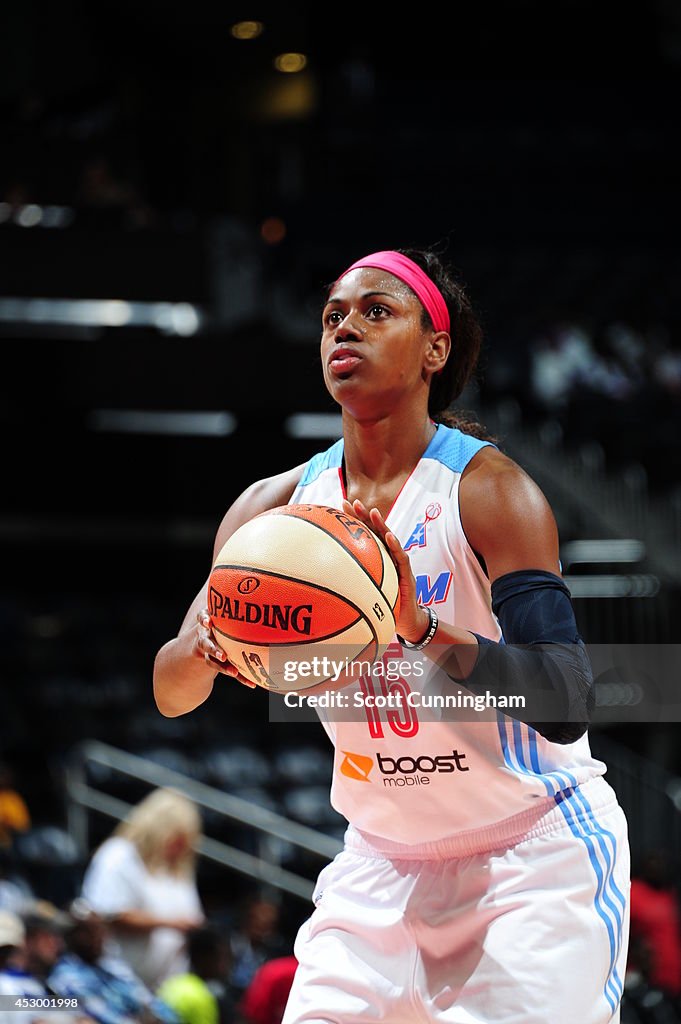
x=437, y=353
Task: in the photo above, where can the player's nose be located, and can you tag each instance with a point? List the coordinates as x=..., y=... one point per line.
x=349, y=329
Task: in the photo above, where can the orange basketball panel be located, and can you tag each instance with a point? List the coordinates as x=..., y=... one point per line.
x=261, y=608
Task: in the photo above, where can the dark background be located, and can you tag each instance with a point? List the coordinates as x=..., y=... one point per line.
x=537, y=145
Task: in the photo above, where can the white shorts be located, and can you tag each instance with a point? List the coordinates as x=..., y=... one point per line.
x=525, y=933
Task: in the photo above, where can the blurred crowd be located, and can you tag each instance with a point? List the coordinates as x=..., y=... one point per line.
x=133, y=942
x=620, y=385
x=620, y=363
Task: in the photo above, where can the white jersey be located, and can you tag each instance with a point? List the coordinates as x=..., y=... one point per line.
x=414, y=776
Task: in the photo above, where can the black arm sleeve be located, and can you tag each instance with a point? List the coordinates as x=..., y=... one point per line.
x=542, y=657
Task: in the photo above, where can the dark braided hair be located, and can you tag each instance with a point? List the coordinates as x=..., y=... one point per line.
x=466, y=334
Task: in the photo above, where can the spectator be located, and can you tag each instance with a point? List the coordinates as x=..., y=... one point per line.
x=666, y=372
x=642, y=1003
x=143, y=878
x=560, y=361
x=106, y=988
x=264, y=1001
x=656, y=922
x=16, y=893
x=200, y=996
x=12, y=936
x=35, y=943
x=15, y=816
x=43, y=944
x=255, y=940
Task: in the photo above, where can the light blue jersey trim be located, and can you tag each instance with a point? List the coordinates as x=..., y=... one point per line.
x=521, y=755
x=453, y=448
x=332, y=458
x=584, y=826
x=449, y=445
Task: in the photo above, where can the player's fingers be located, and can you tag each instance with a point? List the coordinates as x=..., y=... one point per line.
x=212, y=658
x=227, y=668
x=400, y=561
x=206, y=645
x=370, y=517
x=357, y=510
x=404, y=570
x=233, y=672
x=378, y=523
x=395, y=548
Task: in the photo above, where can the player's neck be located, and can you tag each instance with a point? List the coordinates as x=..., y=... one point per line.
x=380, y=455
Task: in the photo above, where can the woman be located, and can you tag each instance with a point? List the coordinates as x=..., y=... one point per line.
x=495, y=890
x=142, y=879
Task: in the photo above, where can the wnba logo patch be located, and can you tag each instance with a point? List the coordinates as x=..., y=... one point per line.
x=356, y=766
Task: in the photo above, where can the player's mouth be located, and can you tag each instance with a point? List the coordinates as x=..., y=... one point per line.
x=343, y=360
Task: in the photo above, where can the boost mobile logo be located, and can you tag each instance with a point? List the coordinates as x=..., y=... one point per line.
x=402, y=771
x=357, y=766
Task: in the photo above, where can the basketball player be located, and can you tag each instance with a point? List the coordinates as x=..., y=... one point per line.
x=485, y=873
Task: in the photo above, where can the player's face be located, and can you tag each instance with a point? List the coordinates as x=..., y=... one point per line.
x=373, y=340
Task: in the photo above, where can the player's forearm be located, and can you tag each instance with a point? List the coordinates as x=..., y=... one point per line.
x=543, y=659
x=548, y=685
x=181, y=680
x=454, y=649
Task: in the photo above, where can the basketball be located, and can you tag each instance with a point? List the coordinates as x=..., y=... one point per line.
x=300, y=591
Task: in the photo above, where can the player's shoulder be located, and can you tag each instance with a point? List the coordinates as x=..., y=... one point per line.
x=493, y=483
x=506, y=516
x=492, y=471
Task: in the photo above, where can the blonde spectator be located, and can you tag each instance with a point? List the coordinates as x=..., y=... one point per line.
x=142, y=879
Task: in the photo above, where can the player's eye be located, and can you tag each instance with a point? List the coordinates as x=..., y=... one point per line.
x=332, y=317
x=376, y=310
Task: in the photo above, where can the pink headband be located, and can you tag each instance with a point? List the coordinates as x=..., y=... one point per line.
x=406, y=270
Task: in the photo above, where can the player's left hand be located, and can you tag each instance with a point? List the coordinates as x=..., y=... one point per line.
x=208, y=648
x=412, y=621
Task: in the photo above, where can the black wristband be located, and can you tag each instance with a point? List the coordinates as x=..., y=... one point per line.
x=428, y=635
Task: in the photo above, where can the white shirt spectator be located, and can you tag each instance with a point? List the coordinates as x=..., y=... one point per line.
x=116, y=881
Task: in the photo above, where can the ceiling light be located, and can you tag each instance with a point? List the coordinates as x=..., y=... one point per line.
x=290, y=63
x=247, y=29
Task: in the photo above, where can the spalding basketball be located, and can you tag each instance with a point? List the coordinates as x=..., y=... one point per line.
x=299, y=582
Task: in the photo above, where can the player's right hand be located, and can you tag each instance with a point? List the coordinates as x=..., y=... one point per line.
x=208, y=648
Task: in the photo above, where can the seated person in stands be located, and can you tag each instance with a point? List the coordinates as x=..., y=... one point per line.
x=255, y=939
x=15, y=816
x=107, y=989
x=29, y=948
x=200, y=995
x=16, y=893
x=264, y=1001
x=12, y=935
